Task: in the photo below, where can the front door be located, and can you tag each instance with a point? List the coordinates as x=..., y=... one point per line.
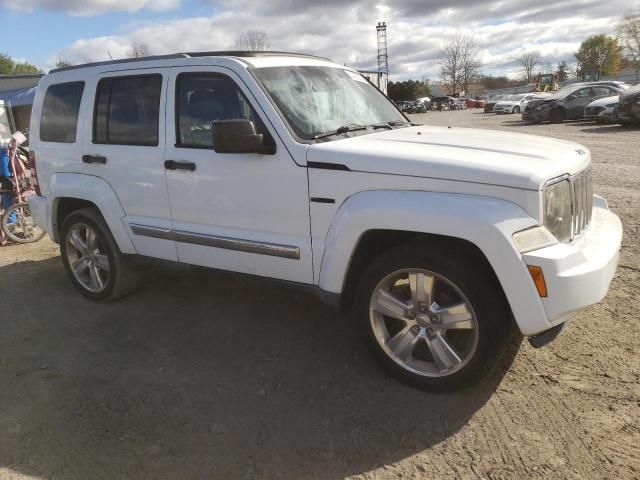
x=241, y=212
x=577, y=101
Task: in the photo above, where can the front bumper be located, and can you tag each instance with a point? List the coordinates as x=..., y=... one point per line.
x=578, y=274
x=532, y=115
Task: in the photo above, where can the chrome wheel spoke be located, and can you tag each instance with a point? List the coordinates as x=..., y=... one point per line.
x=102, y=261
x=444, y=356
x=403, y=343
x=91, y=243
x=390, y=305
x=421, y=285
x=96, y=280
x=454, y=316
x=80, y=265
x=77, y=242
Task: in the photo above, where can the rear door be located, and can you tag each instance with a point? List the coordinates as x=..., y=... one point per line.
x=125, y=146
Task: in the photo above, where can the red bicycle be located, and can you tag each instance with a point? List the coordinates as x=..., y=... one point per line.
x=17, y=223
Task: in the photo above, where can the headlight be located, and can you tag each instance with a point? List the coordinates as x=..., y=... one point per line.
x=557, y=210
x=611, y=105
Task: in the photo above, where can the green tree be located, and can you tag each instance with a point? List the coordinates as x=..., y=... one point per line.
x=408, y=90
x=599, y=54
x=8, y=66
x=61, y=63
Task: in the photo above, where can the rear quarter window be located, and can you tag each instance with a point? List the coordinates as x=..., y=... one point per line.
x=59, y=118
x=127, y=110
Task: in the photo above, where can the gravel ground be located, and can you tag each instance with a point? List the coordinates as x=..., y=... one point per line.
x=208, y=375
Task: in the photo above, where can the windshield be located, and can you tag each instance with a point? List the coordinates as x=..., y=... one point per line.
x=515, y=98
x=318, y=100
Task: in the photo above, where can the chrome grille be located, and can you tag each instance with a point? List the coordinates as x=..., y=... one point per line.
x=581, y=202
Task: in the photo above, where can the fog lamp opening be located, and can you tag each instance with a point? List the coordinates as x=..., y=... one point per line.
x=538, y=280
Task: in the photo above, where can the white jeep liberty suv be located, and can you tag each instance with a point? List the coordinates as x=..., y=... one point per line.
x=295, y=168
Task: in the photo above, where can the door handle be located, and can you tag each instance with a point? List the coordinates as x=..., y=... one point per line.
x=94, y=159
x=175, y=165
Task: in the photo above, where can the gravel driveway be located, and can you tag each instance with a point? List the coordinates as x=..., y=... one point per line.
x=206, y=375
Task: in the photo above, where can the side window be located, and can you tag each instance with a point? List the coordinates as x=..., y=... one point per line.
x=584, y=92
x=203, y=98
x=602, y=92
x=127, y=110
x=59, y=118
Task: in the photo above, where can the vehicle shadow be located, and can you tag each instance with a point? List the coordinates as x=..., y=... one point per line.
x=610, y=128
x=200, y=374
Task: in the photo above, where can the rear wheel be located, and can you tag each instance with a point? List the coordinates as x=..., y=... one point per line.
x=18, y=226
x=92, y=259
x=436, y=320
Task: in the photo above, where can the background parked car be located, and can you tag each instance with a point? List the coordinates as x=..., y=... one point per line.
x=488, y=106
x=475, y=102
x=629, y=106
x=602, y=110
x=513, y=103
x=567, y=103
x=443, y=103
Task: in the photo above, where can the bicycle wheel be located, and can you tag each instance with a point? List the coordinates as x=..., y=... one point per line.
x=18, y=226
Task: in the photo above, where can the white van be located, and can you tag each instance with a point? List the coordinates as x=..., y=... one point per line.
x=286, y=166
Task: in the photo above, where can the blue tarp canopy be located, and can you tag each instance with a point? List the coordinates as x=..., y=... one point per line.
x=19, y=98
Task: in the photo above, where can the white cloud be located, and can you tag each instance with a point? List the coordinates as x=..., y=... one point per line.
x=345, y=31
x=91, y=7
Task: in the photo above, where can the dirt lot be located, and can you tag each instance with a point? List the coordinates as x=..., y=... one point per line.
x=207, y=375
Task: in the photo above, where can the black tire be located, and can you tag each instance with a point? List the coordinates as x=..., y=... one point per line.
x=557, y=115
x=516, y=109
x=22, y=230
x=463, y=267
x=122, y=277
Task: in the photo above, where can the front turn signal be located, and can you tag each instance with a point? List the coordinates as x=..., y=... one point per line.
x=538, y=279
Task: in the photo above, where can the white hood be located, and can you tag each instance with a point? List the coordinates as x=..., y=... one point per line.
x=463, y=154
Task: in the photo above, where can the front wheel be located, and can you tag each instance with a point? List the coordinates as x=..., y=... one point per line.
x=516, y=109
x=18, y=226
x=434, y=319
x=557, y=115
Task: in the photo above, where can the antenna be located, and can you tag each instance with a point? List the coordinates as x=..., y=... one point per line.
x=383, y=60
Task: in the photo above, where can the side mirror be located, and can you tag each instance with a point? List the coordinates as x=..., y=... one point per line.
x=571, y=97
x=238, y=136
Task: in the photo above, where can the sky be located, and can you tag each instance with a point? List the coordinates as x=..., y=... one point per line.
x=43, y=31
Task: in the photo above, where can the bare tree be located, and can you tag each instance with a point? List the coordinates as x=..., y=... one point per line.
x=547, y=68
x=628, y=33
x=138, y=49
x=459, y=62
x=528, y=61
x=253, y=40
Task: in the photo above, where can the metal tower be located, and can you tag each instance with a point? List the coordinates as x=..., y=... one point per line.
x=383, y=60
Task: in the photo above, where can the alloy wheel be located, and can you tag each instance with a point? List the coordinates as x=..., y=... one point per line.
x=87, y=258
x=423, y=322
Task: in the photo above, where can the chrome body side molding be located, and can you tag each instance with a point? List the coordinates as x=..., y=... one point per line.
x=227, y=243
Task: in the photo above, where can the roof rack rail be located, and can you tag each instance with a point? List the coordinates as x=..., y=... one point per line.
x=123, y=60
x=222, y=53
x=251, y=53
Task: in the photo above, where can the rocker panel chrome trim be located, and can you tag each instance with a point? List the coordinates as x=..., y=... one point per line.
x=227, y=243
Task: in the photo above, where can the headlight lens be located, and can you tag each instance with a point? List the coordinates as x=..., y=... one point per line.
x=557, y=210
x=612, y=104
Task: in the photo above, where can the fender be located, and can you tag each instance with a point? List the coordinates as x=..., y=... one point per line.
x=95, y=190
x=487, y=222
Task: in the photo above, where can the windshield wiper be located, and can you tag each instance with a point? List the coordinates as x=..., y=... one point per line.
x=341, y=130
x=397, y=123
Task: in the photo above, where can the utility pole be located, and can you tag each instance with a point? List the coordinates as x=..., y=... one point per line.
x=383, y=60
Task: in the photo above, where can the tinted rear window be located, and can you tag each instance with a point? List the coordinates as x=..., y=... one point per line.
x=127, y=110
x=59, y=119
